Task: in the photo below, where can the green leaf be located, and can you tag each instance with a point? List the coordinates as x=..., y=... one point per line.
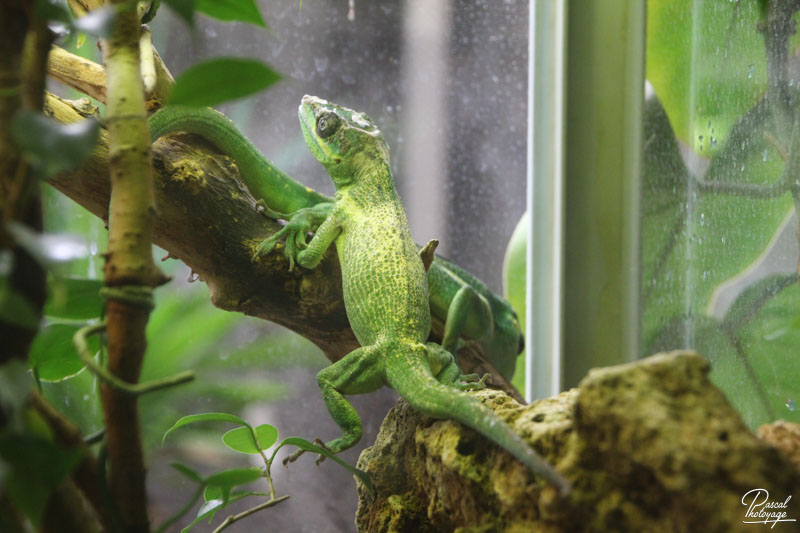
x=53, y=11
x=241, y=439
x=205, y=417
x=514, y=276
x=210, y=508
x=692, y=242
x=35, y=467
x=753, y=298
x=231, y=10
x=207, y=510
x=731, y=371
x=184, y=9
x=188, y=472
x=50, y=249
x=16, y=309
x=769, y=341
x=74, y=298
x=98, y=22
x=51, y=147
x=309, y=447
x=220, y=80
x=225, y=481
x=706, y=62
x=53, y=354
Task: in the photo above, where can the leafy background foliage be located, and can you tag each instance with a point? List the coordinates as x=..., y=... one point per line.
x=707, y=64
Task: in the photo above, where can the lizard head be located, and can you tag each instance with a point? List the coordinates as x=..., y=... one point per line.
x=346, y=142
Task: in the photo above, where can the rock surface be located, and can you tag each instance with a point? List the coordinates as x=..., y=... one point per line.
x=648, y=446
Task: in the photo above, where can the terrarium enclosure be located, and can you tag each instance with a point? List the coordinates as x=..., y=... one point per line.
x=611, y=179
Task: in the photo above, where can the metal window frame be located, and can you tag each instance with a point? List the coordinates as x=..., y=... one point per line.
x=585, y=99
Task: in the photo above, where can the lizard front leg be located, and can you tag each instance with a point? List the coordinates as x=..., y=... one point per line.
x=298, y=225
x=323, y=238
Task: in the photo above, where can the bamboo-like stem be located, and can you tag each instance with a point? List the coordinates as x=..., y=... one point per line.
x=129, y=262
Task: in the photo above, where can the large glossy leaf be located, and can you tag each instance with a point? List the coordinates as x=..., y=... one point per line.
x=220, y=80
x=769, y=337
x=241, y=439
x=51, y=147
x=53, y=354
x=731, y=371
x=231, y=10
x=706, y=62
x=693, y=241
x=74, y=298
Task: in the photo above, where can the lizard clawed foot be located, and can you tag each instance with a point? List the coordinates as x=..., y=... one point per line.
x=264, y=209
x=471, y=382
x=318, y=442
x=297, y=453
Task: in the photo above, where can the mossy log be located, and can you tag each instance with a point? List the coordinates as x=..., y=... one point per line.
x=648, y=446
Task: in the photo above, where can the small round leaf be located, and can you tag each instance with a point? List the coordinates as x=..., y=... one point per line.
x=241, y=439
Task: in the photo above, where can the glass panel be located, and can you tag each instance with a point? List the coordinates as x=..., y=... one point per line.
x=445, y=82
x=719, y=196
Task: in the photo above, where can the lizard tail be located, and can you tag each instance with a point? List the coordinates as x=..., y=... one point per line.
x=417, y=385
x=263, y=179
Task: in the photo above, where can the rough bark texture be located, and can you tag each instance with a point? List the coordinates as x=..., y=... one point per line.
x=648, y=446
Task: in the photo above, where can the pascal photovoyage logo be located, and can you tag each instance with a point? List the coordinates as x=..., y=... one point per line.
x=762, y=510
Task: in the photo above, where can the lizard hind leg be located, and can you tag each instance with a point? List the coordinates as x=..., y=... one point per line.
x=358, y=372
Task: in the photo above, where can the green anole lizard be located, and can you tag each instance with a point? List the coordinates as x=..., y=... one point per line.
x=385, y=291
x=463, y=303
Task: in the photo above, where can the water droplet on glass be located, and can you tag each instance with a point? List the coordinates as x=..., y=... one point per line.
x=702, y=219
x=765, y=154
x=751, y=71
x=321, y=64
x=790, y=404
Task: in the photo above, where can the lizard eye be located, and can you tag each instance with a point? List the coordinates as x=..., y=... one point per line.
x=327, y=125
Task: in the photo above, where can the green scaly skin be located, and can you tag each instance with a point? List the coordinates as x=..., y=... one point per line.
x=385, y=291
x=459, y=300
